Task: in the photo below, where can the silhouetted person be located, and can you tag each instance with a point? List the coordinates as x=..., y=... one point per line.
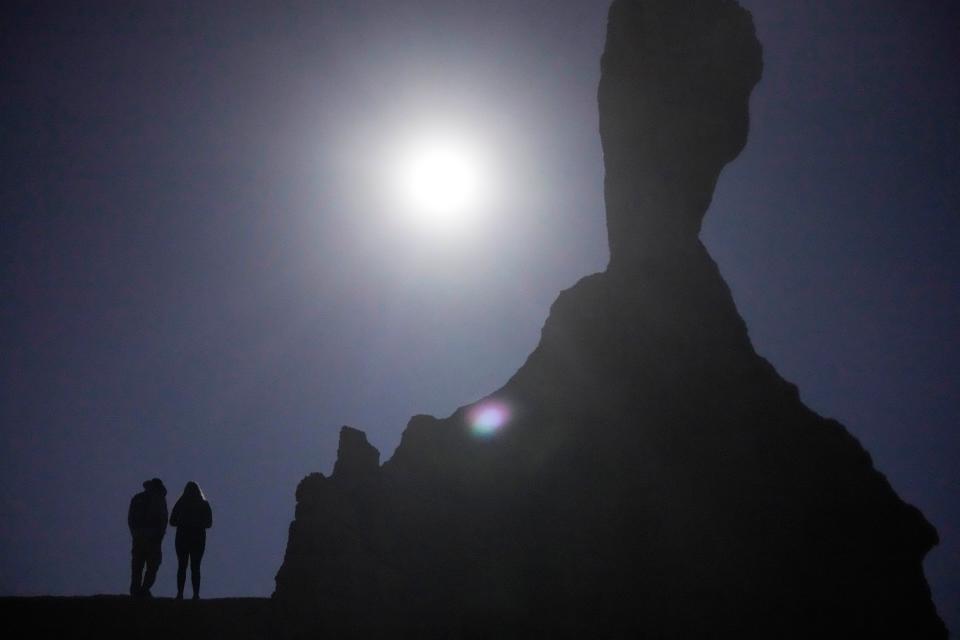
x=147, y=519
x=192, y=517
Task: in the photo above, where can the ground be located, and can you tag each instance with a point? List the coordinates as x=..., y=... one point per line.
x=121, y=617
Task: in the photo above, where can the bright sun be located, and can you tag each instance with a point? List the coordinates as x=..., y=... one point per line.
x=441, y=182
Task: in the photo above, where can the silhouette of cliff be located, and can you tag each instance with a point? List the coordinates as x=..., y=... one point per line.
x=652, y=476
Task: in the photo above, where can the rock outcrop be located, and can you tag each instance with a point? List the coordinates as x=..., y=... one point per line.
x=645, y=473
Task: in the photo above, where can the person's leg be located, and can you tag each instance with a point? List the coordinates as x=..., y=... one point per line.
x=137, y=560
x=182, y=558
x=196, y=556
x=154, y=558
x=183, y=551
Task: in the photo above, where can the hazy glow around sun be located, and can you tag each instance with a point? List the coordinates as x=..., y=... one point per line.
x=441, y=182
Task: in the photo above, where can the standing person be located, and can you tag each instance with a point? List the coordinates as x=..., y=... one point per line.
x=192, y=517
x=147, y=520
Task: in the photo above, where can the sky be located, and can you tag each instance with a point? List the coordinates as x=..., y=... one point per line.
x=204, y=272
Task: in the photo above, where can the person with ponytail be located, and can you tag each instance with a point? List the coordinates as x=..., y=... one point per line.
x=192, y=517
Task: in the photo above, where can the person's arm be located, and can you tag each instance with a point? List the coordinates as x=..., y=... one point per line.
x=208, y=516
x=175, y=515
x=130, y=514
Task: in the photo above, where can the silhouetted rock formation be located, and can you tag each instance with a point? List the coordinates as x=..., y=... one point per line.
x=654, y=476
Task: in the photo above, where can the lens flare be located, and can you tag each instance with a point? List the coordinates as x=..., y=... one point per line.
x=487, y=418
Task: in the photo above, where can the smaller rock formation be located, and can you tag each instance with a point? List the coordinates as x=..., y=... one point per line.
x=357, y=460
x=332, y=534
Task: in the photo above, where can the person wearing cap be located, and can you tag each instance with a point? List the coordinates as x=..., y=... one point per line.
x=147, y=519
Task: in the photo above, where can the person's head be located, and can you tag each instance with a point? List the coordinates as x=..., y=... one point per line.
x=192, y=491
x=155, y=485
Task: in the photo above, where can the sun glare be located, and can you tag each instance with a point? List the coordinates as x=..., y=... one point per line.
x=441, y=183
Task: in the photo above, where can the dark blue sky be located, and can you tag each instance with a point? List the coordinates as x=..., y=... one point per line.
x=199, y=281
